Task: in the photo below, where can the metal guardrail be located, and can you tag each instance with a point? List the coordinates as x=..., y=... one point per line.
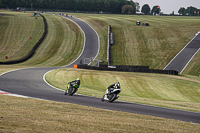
x=110, y=43
x=125, y=68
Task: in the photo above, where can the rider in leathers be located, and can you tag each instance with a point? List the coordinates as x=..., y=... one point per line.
x=77, y=81
x=113, y=86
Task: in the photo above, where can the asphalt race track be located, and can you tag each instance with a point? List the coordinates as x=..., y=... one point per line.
x=29, y=82
x=180, y=61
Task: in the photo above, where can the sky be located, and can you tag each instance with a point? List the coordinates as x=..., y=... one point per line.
x=167, y=6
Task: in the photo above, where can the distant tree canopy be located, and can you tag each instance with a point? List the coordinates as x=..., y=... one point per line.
x=192, y=11
x=1, y=3
x=145, y=9
x=113, y=6
x=128, y=9
x=181, y=11
x=137, y=6
x=156, y=10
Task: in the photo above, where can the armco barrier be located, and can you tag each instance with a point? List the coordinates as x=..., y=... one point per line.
x=30, y=54
x=108, y=46
x=142, y=69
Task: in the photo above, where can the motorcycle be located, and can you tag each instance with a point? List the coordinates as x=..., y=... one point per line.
x=112, y=95
x=71, y=88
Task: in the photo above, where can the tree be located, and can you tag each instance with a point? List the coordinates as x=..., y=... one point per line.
x=181, y=11
x=156, y=10
x=137, y=5
x=1, y=3
x=146, y=9
x=192, y=11
x=127, y=9
x=172, y=14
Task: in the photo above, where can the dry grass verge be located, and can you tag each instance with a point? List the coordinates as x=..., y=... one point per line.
x=30, y=115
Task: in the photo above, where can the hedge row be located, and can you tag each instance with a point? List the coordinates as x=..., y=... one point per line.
x=31, y=53
x=142, y=69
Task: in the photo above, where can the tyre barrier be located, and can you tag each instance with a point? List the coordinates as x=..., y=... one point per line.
x=125, y=68
x=31, y=53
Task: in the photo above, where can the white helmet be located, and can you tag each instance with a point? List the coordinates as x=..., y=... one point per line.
x=117, y=85
x=77, y=79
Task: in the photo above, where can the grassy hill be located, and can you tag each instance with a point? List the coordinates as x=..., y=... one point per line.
x=63, y=44
x=152, y=46
x=152, y=89
x=16, y=30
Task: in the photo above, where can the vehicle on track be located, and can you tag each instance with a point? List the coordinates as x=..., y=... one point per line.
x=111, y=93
x=72, y=87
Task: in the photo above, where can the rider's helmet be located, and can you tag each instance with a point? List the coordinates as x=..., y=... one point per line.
x=117, y=85
x=78, y=81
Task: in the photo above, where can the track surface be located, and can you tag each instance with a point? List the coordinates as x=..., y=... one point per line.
x=29, y=82
x=180, y=61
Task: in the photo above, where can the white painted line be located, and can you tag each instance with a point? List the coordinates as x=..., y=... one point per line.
x=179, y=53
x=84, y=40
x=189, y=61
x=9, y=94
x=14, y=71
x=56, y=68
x=79, y=55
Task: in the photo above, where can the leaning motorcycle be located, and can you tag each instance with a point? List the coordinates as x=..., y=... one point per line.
x=71, y=89
x=112, y=96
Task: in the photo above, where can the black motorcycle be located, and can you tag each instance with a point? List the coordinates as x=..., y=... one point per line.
x=112, y=95
x=72, y=87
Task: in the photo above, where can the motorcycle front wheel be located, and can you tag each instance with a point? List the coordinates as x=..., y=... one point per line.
x=102, y=99
x=112, y=97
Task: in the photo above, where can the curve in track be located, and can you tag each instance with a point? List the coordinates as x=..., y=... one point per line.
x=29, y=82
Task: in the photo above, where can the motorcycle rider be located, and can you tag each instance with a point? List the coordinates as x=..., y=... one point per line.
x=77, y=81
x=112, y=86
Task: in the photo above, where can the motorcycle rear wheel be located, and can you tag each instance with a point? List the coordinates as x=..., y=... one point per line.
x=71, y=91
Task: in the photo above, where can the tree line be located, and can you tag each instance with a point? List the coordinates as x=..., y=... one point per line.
x=111, y=6
x=191, y=11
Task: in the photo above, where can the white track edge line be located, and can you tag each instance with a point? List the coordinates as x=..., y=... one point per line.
x=179, y=53
x=189, y=60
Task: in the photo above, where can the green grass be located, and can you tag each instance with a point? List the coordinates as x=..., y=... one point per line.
x=137, y=46
x=153, y=46
x=16, y=30
x=63, y=44
x=31, y=115
x=152, y=89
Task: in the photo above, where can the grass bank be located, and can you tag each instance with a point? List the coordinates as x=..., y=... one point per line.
x=63, y=44
x=19, y=32
x=30, y=115
x=152, y=89
x=152, y=46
